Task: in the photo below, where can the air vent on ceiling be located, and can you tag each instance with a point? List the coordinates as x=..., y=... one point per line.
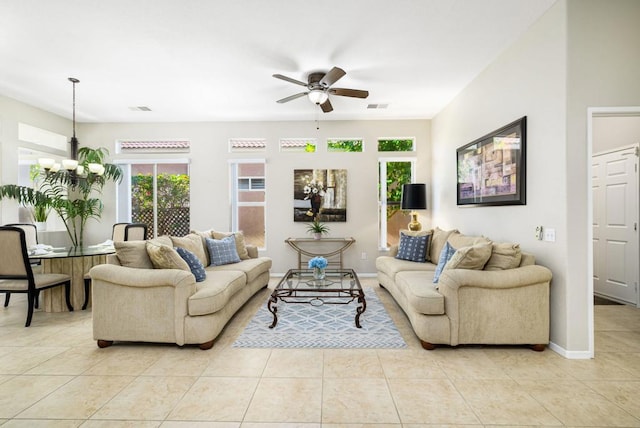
x=140, y=108
x=377, y=106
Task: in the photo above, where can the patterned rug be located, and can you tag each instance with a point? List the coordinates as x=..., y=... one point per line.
x=326, y=326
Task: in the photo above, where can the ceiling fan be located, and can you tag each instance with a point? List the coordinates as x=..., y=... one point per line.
x=319, y=88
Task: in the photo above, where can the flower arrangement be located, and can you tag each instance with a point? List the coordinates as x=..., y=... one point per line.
x=318, y=262
x=313, y=188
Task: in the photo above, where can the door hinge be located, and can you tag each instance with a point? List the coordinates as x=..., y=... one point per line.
x=635, y=226
x=637, y=151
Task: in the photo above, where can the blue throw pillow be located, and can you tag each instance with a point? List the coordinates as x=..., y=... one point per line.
x=445, y=255
x=413, y=248
x=197, y=269
x=223, y=251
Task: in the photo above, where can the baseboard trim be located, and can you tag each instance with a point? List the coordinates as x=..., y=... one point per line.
x=570, y=355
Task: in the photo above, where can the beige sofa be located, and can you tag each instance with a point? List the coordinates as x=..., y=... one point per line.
x=135, y=300
x=498, y=297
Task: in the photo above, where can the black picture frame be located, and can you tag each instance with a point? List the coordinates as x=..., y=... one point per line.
x=492, y=170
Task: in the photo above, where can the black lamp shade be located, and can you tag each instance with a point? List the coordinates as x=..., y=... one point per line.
x=414, y=197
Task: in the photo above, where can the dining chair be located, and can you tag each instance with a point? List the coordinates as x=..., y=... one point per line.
x=16, y=275
x=31, y=236
x=135, y=232
x=121, y=232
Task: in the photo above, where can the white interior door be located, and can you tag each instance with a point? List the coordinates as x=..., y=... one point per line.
x=615, y=224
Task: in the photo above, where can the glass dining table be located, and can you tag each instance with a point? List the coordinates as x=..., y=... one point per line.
x=75, y=262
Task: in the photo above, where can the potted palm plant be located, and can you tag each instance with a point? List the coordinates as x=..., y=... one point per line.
x=73, y=194
x=317, y=229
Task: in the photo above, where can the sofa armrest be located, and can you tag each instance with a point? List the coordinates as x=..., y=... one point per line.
x=500, y=279
x=497, y=307
x=140, y=278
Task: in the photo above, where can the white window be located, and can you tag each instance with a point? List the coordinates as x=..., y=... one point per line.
x=392, y=173
x=156, y=193
x=300, y=145
x=345, y=145
x=240, y=145
x=248, y=199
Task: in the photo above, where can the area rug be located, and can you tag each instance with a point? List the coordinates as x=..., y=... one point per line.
x=326, y=326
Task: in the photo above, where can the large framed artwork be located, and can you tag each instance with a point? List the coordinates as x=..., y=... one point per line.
x=492, y=169
x=320, y=194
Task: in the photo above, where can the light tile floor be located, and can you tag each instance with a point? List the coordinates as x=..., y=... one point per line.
x=53, y=374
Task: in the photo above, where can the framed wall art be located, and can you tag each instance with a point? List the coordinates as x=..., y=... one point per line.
x=320, y=194
x=492, y=169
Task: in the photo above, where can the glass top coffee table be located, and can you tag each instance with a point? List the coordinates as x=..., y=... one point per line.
x=339, y=287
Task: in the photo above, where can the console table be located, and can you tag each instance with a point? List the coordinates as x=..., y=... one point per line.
x=329, y=248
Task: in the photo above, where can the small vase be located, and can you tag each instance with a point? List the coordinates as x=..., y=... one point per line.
x=41, y=226
x=317, y=235
x=318, y=273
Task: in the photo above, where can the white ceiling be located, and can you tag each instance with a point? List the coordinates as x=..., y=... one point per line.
x=209, y=60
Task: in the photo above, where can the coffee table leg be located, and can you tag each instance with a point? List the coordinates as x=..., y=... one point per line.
x=362, y=306
x=271, y=305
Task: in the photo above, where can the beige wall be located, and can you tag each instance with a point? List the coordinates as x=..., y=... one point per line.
x=580, y=54
x=210, y=175
x=603, y=42
x=526, y=80
x=13, y=112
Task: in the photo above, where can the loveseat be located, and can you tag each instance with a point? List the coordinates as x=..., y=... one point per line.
x=179, y=290
x=486, y=292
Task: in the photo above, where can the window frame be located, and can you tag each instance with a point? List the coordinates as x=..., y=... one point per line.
x=123, y=214
x=233, y=193
x=382, y=195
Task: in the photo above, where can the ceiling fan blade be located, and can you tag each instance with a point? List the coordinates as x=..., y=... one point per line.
x=292, y=97
x=326, y=106
x=356, y=93
x=289, y=79
x=332, y=77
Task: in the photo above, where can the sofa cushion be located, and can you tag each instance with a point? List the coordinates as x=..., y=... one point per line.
x=420, y=292
x=413, y=248
x=161, y=240
x=240, y=244
x=458, y=240
x=391, y=266
x=438, y=240
x=252, y=268
x=165, y=257
x=194, y=244
x=473, y=257
x=504, y=256
x=222, y=251
x=197, y=269
x=133, y=254
x=445, y=255
x=214, y=293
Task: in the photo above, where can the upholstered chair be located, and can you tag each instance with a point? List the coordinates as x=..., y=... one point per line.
x=16, y=275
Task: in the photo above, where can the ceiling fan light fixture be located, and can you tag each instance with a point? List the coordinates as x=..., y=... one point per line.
x=318, y=96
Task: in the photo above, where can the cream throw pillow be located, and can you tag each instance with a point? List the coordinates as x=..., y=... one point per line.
x=473, y=257
x=133, y=254
x=438, y=239
x=165, y=257
x=504, y=256
x=458, y=240
x=192, y=243
x=241, y=248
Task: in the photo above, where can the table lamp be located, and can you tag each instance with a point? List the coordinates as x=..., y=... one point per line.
x=414, y=197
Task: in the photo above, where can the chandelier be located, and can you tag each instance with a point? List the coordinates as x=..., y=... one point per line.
x=71, y=165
